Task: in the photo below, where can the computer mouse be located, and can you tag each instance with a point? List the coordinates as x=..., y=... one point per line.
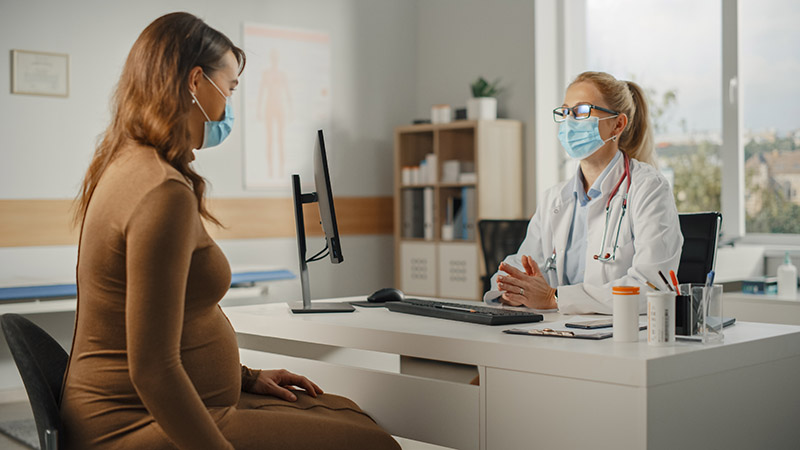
x=386, y=295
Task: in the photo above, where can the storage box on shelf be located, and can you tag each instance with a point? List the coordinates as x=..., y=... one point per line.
x=447, y=177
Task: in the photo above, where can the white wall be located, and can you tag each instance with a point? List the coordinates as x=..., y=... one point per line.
x=459, y=40
x=47, y=142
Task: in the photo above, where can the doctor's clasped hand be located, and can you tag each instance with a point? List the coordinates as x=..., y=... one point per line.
x=527, y=288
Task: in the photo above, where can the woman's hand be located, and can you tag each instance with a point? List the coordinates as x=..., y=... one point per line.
x=527, y=288
x=271, y=382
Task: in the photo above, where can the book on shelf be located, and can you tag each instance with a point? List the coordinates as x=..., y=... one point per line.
x=413, y=214
x=428, y=213
x=468, y=216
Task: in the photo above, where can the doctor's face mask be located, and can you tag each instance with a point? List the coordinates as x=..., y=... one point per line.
x=581, y=138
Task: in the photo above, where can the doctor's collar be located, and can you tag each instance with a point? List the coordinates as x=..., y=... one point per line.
x=596, y=190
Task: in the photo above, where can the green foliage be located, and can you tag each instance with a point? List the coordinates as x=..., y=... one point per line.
x=753, y=148
x=698, y=179
x=777, y=214
x=660, y=106
x=482, y=88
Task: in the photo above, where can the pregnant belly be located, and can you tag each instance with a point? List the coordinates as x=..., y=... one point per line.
x=210, y=356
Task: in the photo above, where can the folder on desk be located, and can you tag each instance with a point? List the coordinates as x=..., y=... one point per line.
x=559, y=329
x=550, y=332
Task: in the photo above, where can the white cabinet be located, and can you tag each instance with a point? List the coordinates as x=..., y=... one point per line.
x=418, y=266
x=457, y=270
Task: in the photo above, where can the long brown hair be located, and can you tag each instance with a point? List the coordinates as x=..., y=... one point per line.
x=626, y=97
x=151, y=103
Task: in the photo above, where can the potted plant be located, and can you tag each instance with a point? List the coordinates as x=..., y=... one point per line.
x=483, y=104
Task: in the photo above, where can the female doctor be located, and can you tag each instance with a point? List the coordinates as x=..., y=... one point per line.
x=613, y=223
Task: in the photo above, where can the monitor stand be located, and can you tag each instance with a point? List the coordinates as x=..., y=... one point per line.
x=306, y=306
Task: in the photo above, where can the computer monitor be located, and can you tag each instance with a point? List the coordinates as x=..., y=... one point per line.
x=324, y=199
x=327, y=213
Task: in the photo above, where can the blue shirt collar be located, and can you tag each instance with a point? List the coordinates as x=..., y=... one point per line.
x=595, y=191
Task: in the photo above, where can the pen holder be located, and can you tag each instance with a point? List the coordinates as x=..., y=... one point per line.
x=698, y=313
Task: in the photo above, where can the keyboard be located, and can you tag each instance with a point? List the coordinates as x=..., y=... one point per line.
x=485, y=315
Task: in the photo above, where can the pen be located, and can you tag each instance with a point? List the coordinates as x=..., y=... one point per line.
x=710, y=279
x=664, y=279
x=707, y=291
x=675, y=281
x=456, y=308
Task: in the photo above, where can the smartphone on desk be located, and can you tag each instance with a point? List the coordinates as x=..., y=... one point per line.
x=591, y=324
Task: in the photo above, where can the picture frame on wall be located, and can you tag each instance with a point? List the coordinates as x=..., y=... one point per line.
x=39, y=73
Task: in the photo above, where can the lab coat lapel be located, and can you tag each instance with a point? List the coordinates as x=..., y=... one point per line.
x=563, y=212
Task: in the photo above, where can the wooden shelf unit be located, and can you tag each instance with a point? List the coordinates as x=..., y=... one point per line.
x=452, y=268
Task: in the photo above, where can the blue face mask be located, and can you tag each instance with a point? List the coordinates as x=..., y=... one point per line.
x=215, y=131
x=581, y=138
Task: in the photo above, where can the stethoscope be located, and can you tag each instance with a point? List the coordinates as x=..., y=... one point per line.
x=550, y=262
x=611, y=256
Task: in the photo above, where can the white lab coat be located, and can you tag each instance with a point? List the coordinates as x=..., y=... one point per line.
x=650, y=240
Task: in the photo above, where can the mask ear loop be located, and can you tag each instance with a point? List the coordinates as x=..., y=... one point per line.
x=215, y=86
x=196, y=102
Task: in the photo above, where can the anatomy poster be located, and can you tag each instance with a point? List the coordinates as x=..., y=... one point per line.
x=287, y=98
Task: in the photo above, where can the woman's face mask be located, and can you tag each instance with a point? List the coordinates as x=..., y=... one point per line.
x=215, y=131
x=581, y=138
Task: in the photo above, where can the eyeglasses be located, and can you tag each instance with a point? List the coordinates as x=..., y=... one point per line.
x=579, y=112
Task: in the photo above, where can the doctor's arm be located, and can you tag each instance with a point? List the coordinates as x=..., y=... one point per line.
x=657, y=243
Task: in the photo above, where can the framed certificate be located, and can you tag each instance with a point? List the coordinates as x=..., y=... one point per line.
x=39, y=73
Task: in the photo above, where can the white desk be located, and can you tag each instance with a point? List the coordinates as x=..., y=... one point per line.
x=549, y=392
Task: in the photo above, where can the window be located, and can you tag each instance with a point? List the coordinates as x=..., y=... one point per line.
x=680, y=71
x=769, y=52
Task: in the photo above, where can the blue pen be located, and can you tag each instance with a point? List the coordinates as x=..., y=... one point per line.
x=710, y=279
x=707, y=292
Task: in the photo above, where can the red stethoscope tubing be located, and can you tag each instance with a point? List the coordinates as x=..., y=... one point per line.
x=626, y=175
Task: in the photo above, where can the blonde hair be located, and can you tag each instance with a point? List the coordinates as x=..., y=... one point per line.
x=626, y=97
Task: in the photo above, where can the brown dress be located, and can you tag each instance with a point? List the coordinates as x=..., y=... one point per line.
x=154, y=361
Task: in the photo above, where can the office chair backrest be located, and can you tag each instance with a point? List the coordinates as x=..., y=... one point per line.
x=499, y=238
x=700, y=235
x=41, y=362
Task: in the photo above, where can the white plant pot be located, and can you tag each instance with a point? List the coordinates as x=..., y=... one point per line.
x=482, y=108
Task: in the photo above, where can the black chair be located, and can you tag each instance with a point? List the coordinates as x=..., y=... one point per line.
x=700, y=236
x=41, y=362
x=499, y=238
